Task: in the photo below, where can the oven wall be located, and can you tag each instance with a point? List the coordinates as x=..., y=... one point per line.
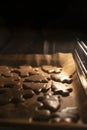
x=25, y=27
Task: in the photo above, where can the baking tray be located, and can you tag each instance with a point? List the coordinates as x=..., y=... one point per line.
x=76, y=98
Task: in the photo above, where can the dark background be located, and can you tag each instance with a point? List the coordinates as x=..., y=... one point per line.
x=29, y=27
x=64, y=14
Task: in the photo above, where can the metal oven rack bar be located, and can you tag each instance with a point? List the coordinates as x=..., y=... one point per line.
x=80, y=56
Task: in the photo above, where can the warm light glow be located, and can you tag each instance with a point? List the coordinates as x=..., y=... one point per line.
x=84, y=82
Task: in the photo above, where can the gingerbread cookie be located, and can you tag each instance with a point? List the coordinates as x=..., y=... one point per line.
x=23, y=71
x=5, y=71
x=60, y=88
x=36, y=87
x=34, y=71
x=9, y=82
x=51, y=69
x=41, y=72
x=36, y=78
x=50, y=102
x=35, y=113
x=62, y=77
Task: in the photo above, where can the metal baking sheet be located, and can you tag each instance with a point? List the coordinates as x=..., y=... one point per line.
x=76, y=98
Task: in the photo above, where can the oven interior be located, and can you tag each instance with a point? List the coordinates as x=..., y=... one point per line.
x=39, y=35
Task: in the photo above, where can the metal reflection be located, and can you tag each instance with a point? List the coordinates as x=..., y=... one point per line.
x=49, y=47
x=80, y=56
